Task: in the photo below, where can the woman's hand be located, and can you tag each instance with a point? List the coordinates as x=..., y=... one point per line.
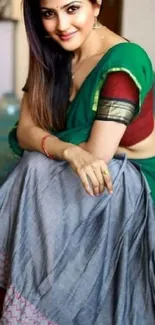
x=93, y=172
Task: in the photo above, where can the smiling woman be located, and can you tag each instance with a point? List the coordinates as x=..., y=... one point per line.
x=65, y=26
x=77, y=221
x=75, y=18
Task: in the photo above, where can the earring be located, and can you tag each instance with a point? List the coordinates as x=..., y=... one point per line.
x=96, y=23
x=47, y=36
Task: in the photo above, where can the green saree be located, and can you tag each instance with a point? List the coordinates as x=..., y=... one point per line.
x=127, y=57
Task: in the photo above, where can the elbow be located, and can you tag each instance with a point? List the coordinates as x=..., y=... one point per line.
x=20, y=137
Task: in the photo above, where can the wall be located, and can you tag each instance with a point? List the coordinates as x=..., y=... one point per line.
x=6, y=61
x=21, y=58
x=138, y=24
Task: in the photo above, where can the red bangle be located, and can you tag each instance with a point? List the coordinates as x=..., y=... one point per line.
x=44, y=148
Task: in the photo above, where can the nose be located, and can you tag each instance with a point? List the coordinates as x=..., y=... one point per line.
x=63, y=23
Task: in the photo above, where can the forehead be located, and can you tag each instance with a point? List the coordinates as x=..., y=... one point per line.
x=58, y=3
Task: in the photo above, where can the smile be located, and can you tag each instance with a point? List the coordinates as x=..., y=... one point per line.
x=66, y=37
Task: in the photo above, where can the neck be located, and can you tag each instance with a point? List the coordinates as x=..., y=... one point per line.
x=91, y=46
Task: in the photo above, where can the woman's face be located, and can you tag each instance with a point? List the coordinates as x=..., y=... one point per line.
x=68, y=22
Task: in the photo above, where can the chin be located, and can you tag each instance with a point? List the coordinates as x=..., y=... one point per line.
x=70, y=47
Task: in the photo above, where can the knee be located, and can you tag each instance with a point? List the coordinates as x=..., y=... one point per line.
x=34, y=161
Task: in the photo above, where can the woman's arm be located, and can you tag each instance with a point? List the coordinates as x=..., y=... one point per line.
x=30, y=136
x=92, y=171
x=104, y=139
x=116, y=108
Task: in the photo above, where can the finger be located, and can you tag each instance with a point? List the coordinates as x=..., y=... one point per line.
x=107, y=179
x=93, y=179
x=85, y=182
x=100, y=178
x=102, y=188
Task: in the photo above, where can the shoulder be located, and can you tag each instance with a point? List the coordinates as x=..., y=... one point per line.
x=117, y=45
x=130, y=58
x=131, y=51
x=111, y=39
x=122, y=55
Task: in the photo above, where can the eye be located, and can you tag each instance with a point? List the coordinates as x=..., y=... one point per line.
x=73, y=9
x=48, y=14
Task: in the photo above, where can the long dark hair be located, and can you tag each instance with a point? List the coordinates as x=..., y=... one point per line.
x=49, y=77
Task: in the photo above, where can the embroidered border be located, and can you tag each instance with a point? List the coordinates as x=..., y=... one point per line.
x=18, y=311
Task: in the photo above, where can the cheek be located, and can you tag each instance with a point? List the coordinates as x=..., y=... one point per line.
x=48, y=25
x=85, y=21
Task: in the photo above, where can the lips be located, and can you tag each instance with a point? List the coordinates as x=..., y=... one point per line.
x=67, y=36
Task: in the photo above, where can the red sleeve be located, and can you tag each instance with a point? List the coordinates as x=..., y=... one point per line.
x=119, y=85
x=118, y=98
x=118, y=101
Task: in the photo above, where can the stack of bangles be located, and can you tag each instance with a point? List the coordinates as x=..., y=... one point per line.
x=44, y=148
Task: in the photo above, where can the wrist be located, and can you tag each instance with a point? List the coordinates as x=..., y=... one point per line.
x=44, y=146
x=70, y=152
x=66, y=150
x=56, y=147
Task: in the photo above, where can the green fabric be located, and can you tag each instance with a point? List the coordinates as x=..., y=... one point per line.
x=147, y=167
x=7, y=160
x=14, y=146
x=127, y=57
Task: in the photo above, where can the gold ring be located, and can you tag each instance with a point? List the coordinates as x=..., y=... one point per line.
x=106, y=172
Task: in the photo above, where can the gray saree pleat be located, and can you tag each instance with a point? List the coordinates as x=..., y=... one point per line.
x=70, y=259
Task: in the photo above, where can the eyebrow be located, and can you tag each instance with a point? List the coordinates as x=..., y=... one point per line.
x=65, y=6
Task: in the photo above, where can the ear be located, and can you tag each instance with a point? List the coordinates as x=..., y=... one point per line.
x=97, y=7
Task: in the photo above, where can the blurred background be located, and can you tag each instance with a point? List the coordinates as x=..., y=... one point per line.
x=133, y=19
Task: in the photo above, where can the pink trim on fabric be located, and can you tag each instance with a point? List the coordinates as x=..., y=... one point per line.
x=17, y=310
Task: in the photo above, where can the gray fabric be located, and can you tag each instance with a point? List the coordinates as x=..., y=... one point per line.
x=79, y=260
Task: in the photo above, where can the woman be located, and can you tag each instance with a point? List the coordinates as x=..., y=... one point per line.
x=73, y=252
